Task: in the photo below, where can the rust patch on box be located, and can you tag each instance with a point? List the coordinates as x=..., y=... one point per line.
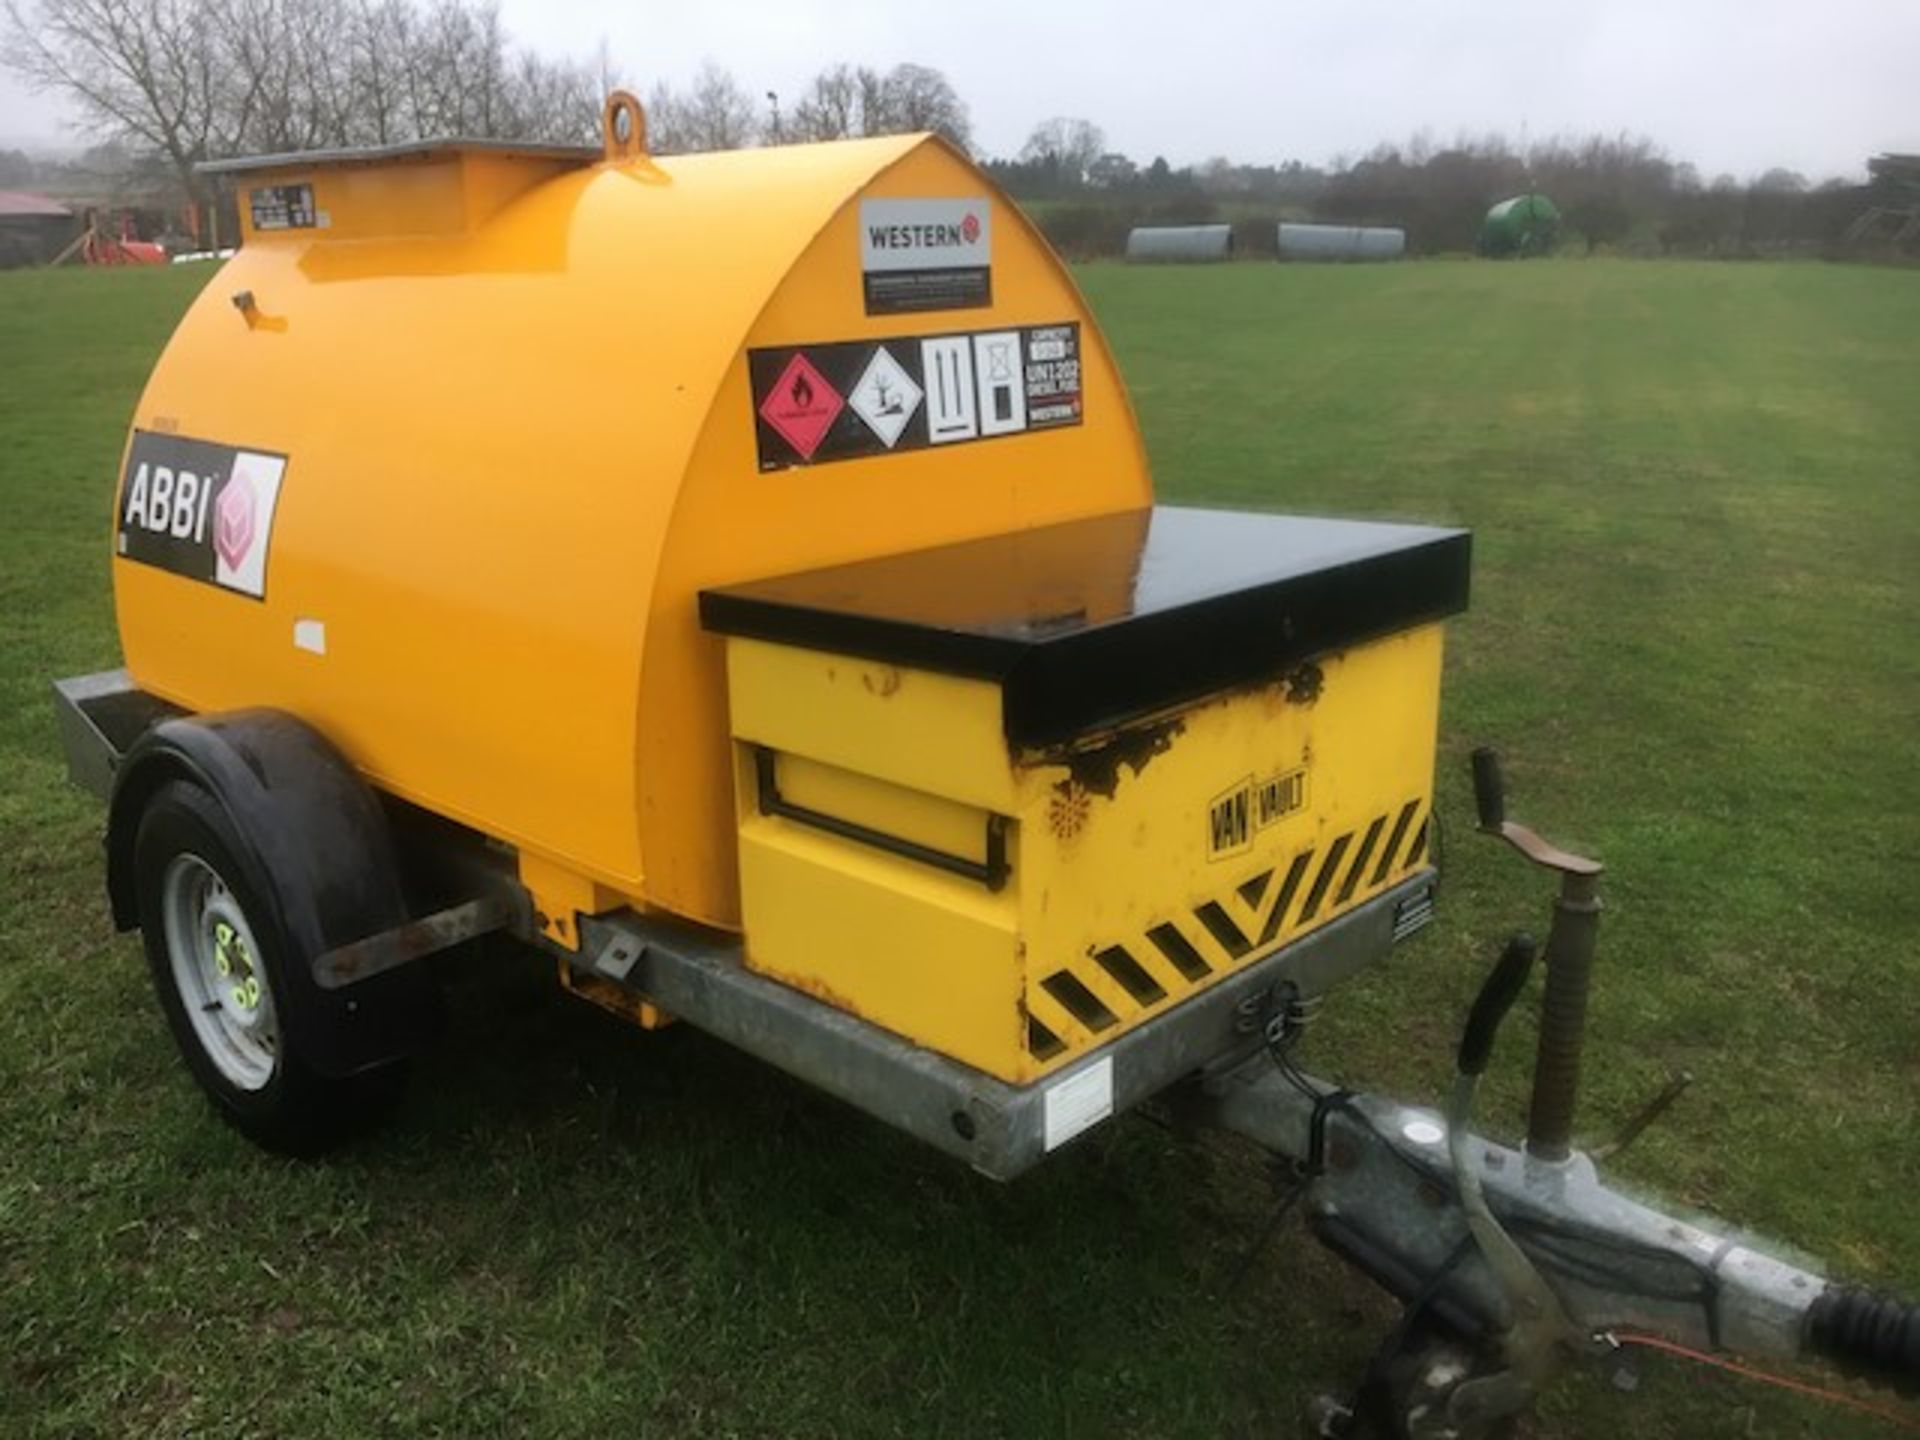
x=882, y=682
x=1304, y=683
x=816, y=987
x=1095, y=765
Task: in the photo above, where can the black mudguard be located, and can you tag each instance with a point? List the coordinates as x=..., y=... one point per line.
x=315, y=839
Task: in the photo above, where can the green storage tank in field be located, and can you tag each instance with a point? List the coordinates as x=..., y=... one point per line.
x=1520, y=225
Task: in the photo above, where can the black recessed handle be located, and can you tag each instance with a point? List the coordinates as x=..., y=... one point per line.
x=1489, y=789
x=1490, y=1006
x=992, y=873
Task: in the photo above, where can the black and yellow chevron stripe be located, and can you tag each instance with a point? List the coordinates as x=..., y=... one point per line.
x=1112, y=986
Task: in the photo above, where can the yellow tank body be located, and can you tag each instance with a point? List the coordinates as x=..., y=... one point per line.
x=500, y=411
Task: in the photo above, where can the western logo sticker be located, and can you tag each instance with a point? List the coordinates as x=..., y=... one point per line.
x=911, y=392
x=926, y=255
x=200, y=509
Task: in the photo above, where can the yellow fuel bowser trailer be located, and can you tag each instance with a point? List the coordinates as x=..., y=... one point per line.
x=739, y=574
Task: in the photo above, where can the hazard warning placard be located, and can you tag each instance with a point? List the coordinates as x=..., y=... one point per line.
x=886, y=396
x=801, y=406
x=846, y=400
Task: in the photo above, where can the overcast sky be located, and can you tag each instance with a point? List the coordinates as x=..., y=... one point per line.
x=1732, y=85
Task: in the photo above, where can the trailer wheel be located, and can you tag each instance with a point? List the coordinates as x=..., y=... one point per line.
x=218, y=955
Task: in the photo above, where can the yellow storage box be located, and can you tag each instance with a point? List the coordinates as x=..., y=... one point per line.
x=1013, y=797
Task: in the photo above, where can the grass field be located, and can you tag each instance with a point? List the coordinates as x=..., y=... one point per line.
x=1696, y=498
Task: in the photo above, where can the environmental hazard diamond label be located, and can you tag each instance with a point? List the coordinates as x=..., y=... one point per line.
x=802, y=406
x=885, y=396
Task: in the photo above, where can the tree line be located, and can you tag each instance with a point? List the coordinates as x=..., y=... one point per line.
x=1616, y=192
x=178, y=82
x=170, y=83
x=190, y=80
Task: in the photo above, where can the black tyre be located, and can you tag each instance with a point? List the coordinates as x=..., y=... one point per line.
x=220, y=959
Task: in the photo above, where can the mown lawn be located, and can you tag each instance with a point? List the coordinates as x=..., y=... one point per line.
x=1696, y=497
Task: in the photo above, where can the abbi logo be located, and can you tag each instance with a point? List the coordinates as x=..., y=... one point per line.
x=233, y=525
x=970, y=228
x=200, y=509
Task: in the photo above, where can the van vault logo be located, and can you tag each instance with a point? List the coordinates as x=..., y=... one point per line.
x=1234, y=817
x=1278, y=796
x=1230, y=821
x=200, y=509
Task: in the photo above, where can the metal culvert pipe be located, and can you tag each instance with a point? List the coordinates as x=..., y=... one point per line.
x=1341, y=242
x=1180, y=243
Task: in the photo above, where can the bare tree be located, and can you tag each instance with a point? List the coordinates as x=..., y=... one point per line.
x=714, y=113
x=149, y=70
x=918, y=97
x=843, y=102
x=286, y=66
x=190, y=80
x=722, y=114
x=1069, y=147
x=376, y=36
x=830, y=107
x=554, y=101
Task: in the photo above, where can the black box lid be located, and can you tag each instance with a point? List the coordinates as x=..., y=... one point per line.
x=1089, y=623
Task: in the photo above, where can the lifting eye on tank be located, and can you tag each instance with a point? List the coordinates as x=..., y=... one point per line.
x=624, y=127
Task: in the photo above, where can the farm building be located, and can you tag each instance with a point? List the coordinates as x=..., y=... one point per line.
x=1892, y=216
x=33, y=229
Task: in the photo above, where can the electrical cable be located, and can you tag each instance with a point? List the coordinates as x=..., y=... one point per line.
x=1264, y=1238
x=1548, y=1239
x=1896, y=1418
x=1281, y=1028
x=1396, y=1337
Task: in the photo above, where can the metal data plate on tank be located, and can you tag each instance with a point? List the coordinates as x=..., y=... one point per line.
x=283, y=207
x=847, y=400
